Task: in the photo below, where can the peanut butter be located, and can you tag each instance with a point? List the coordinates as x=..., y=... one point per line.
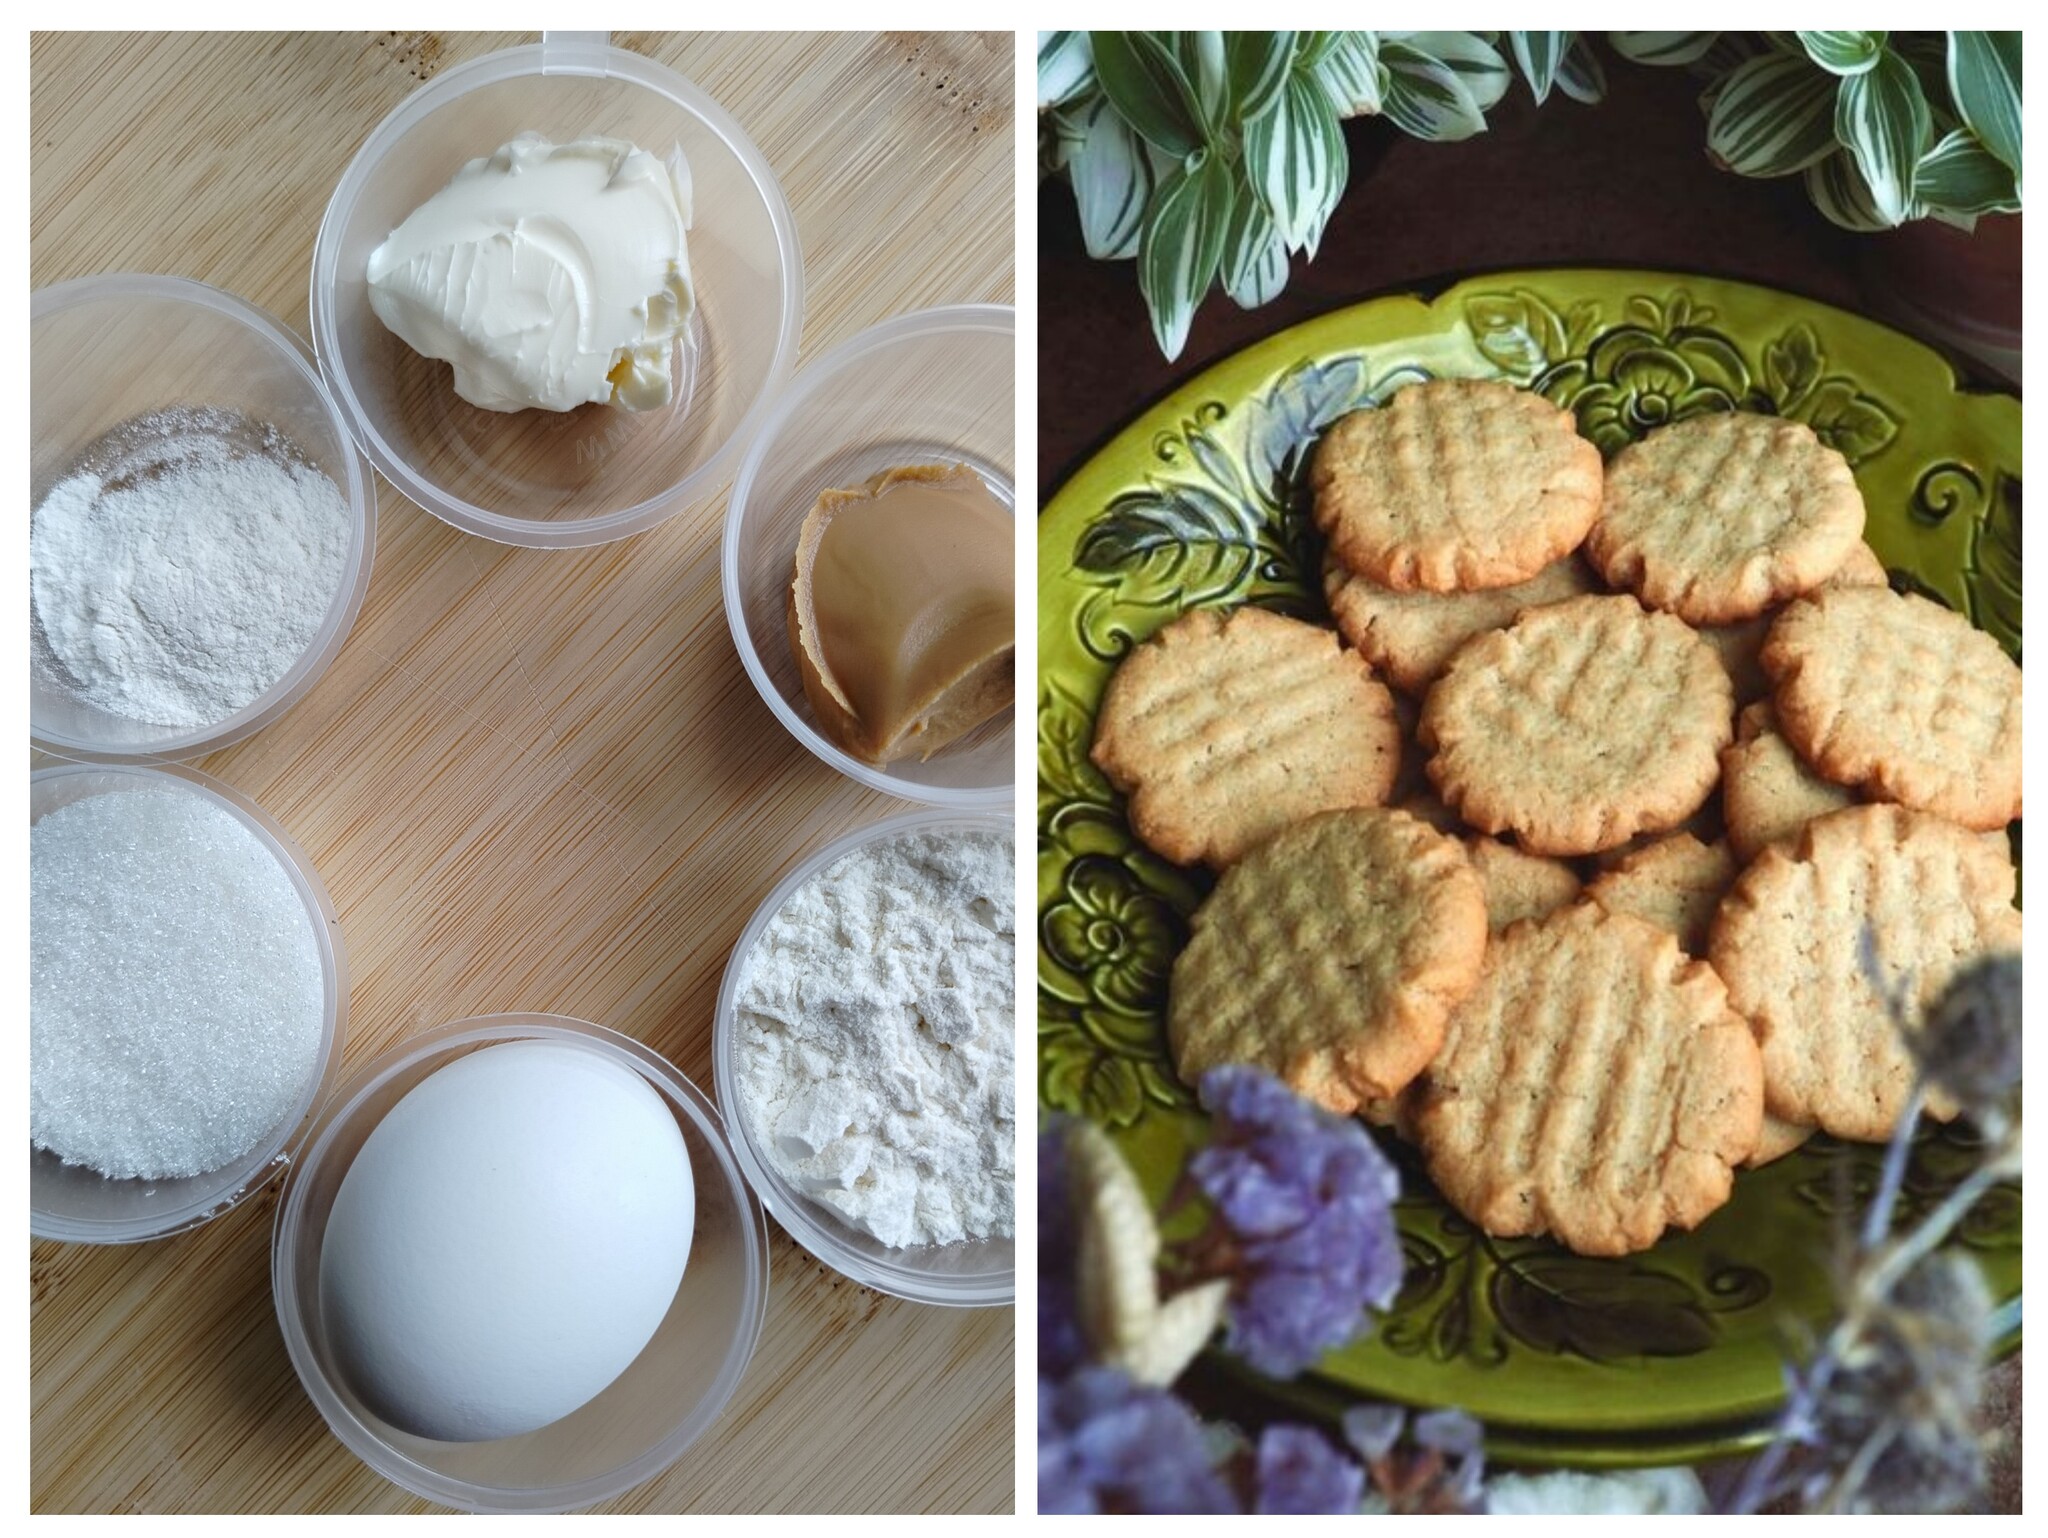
x=903, y=610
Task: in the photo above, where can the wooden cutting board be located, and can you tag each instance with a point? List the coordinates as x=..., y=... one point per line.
x=531, y=780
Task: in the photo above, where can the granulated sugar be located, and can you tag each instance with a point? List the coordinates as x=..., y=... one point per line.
x=184, y=567
x=876, y=1040
x=175, y=989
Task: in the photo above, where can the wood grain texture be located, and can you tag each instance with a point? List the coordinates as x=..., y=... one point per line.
x=531, y=780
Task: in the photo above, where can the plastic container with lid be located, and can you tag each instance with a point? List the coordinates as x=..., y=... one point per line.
x=979, y=1273
x=673, y=1391
x=934, y=386
x=70, y=1202
x=561, y=479
x=105, y=350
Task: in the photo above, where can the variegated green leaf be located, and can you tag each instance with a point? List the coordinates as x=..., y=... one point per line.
x=1140, y=77
x=1183, y=244
x=1882, y=117
x=1661, y=47
x=1774, y=116
x=1475, y=61
x=1254, y=254
x=1350, y=74
x=1539, y=55
x=1960, y=176
x=1839, y=191
x=1295, y=160
x=1258, y=63
x=1202, y=62
x=1065, y=68
x=1843, y=53
x=1427, y=98
x=1112, y=178
x=1984, y=79
x=1581, y=76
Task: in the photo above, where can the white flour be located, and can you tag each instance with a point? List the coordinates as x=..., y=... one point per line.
x=877, y=1038
x=183, y=569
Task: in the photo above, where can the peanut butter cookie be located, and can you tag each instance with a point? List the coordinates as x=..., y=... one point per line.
x=1331, y=955
x=1455, y=484
x=1226, y=727
x=1596, y=1086
x=1579, y=726
x=1718, y=517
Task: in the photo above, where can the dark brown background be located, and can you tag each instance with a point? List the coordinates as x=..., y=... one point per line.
x=1623, y=184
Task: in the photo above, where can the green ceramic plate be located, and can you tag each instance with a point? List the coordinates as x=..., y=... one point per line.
x=1673, y=1354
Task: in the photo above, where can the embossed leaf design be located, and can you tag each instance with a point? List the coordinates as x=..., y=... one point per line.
x=1791, y=365
x=1520, y=333
x=1170, y=516
x=1066, y=731
x=1286, y=419
x=1557, y=1302
x=1077, y=1077
x=1851, y=423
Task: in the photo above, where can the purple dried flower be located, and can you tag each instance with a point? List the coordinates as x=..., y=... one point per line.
x=1443, y=1470
x=1106, y=1444
x=1062, y=1346
x=1299, y=1473
x=1968, y=1043
x=1304, y=1200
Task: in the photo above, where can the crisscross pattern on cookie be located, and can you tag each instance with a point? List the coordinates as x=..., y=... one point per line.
x=1331, y=955
x=1902, y=699
x=1788, y=941
x=1718, y=517
x=1455, y=484
x=1739, y=643
x=1596, y=1086
x=1223, y=728
x=1767, y=791
x=1410, y=636
x=1582, y=724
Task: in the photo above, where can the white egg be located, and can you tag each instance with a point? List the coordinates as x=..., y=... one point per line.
x=507, y=1241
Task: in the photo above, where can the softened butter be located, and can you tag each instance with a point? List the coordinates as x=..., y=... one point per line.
x=549, y=275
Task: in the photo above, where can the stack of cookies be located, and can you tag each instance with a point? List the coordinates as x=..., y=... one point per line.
x=1600, y=845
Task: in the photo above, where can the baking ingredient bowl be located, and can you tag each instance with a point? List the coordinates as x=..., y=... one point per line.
x=105, y=350
x=934, y=386
x=664, y=1401
x=70, y=1202
x=560, y=479
x=976, y=1273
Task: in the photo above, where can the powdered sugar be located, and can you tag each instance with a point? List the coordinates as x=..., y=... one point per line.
x=175, y=988
x=876, y=1044
x=185, y=566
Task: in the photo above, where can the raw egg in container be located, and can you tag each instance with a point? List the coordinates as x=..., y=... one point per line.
x=507, y=1241
x=518, y=1268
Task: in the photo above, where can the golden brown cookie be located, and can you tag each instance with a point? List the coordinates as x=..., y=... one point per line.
x=1716, y=518
x=1789, y=941
x=1767, y=790
x=1579, y=726
x=1675, y=883
x=1455, y=484
x=1225, y=727
x=1900, y=699
x=1331, y=955
x=1409, y=637
x=1739, y=644
x=1518, y=885
x=1596, y=1086
x=1778, y=1138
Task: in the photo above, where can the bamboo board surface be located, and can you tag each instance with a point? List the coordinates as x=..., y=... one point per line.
x=532, y=780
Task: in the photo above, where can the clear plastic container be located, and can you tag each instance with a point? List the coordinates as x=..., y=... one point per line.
x=933, y=386
x=598, y=473
x=638, y=1426
x=980, y=1273
x=67, y=1201
x=107, y=349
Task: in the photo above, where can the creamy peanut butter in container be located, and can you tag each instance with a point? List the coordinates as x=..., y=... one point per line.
x=902, y=610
